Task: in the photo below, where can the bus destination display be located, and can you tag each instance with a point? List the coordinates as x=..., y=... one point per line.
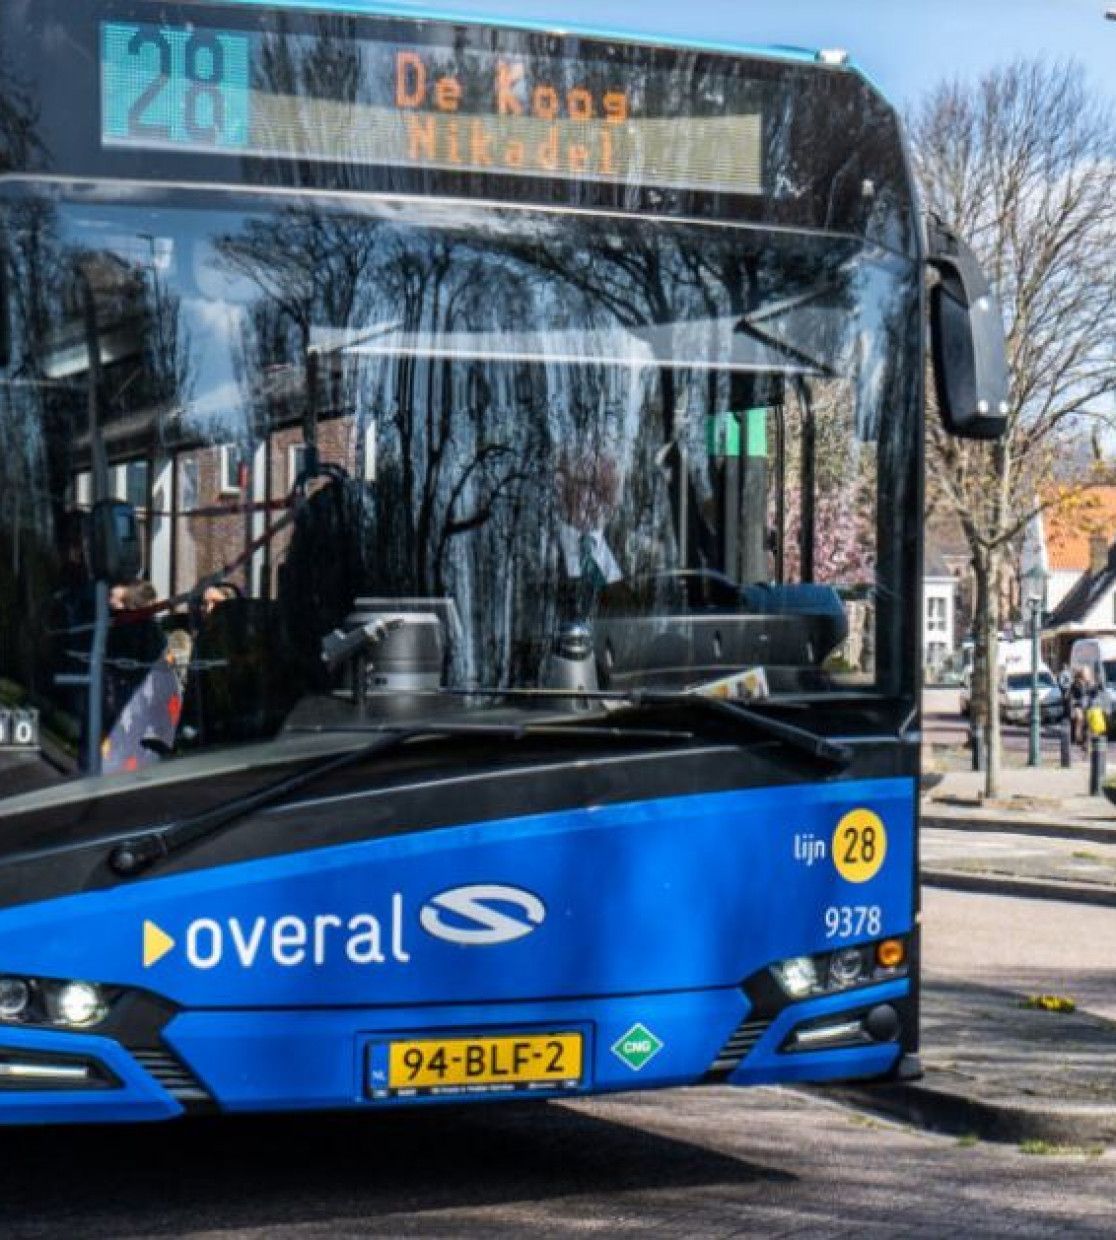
x=247, y=94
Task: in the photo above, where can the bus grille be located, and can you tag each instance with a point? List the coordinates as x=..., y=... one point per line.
x=173, y=1075
x=740, y=1044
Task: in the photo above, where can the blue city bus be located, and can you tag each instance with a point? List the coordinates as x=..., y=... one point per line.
x=460, y=524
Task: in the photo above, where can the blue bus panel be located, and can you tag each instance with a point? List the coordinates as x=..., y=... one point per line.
x=630, y=928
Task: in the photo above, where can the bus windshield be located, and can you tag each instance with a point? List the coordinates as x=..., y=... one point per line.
x=506, y=421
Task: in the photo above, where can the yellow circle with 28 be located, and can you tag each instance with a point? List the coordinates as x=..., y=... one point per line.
x=859, y=845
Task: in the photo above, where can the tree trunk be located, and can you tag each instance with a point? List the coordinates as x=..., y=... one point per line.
x=985, y=693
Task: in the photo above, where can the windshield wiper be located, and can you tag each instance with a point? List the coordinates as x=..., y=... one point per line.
x=796, y=737
x=135, y=855
x=746, y=327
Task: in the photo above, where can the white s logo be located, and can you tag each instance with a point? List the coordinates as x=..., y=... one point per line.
x=490, y=925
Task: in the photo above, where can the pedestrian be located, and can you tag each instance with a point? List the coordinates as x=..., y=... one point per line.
x=1077, y=700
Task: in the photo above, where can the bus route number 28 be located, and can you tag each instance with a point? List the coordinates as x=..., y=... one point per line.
x=846, y=921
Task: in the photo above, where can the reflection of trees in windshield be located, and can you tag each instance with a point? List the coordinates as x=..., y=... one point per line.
x=20, y=142
x=481, y=359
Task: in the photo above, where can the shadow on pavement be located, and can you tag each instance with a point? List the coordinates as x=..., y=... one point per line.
x=1004, y=1071
x=353, y=1170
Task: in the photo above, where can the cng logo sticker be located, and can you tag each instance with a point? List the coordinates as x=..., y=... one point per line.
x=482, y=915
x=637, y=1047
x=156, y=944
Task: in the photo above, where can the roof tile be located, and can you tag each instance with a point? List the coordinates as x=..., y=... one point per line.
x=1070, y=528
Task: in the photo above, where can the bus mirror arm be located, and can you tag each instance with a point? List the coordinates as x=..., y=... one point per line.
x=967, y=340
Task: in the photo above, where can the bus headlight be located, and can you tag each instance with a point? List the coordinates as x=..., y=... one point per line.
x=80, y=1004
x=15, y=998
x=40, y=1001
x=844, y=968
x=797, y=976
x=849, y=966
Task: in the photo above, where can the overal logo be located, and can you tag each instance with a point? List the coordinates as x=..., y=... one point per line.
x=482, y=915
x=479, y=915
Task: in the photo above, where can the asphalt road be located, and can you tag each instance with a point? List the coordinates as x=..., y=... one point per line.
x=693, y=1163
x=943, y=724
x=713, y=1162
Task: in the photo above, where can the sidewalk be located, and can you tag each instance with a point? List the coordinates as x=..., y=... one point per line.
x=1044, y=799
x=1003, y=1072
x=1043, y=837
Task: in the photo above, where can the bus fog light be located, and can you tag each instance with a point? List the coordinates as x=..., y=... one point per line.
x=798, y=976
x=80, y=1004
x=15, y=997
x=846, y=967
x=822, y=1037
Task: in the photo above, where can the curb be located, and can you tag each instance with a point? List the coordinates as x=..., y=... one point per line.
x=1012, y=826
x=931, y=1105
x=1010, y=885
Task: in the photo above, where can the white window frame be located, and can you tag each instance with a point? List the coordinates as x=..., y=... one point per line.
x=295, y=465
x=368, y=464
x=937, y=617
x=189, y=483
x=229, y=462
x=128, y=472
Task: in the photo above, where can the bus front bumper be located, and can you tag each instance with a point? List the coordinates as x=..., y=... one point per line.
x=325, y=1059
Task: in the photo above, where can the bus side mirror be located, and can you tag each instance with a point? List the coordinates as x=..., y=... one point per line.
x=115, y=550
x=967, y=341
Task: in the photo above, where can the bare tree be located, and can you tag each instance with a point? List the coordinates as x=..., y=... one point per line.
x=1023, y=163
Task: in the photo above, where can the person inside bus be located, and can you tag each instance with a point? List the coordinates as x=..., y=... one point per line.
x=588, y=496
x=135, y=644
x=214, y=595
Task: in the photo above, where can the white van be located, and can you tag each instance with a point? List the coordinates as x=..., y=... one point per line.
x=1013, y=658
x=1096, y=657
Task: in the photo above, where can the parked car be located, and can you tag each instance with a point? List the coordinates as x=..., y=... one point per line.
x=1013, y=656
x=1015, y=697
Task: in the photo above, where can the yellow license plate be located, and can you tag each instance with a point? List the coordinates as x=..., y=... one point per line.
x=501, y=1062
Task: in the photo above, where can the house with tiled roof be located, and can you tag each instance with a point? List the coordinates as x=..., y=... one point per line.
x=947, y=592
x=1074, y=545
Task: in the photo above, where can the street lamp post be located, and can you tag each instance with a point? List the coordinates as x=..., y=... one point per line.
x=1035, y=582
x=1033, y=748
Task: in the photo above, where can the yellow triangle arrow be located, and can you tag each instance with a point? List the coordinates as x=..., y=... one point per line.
x=156, y=944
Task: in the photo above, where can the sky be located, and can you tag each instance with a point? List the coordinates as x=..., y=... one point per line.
x=905, y=46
